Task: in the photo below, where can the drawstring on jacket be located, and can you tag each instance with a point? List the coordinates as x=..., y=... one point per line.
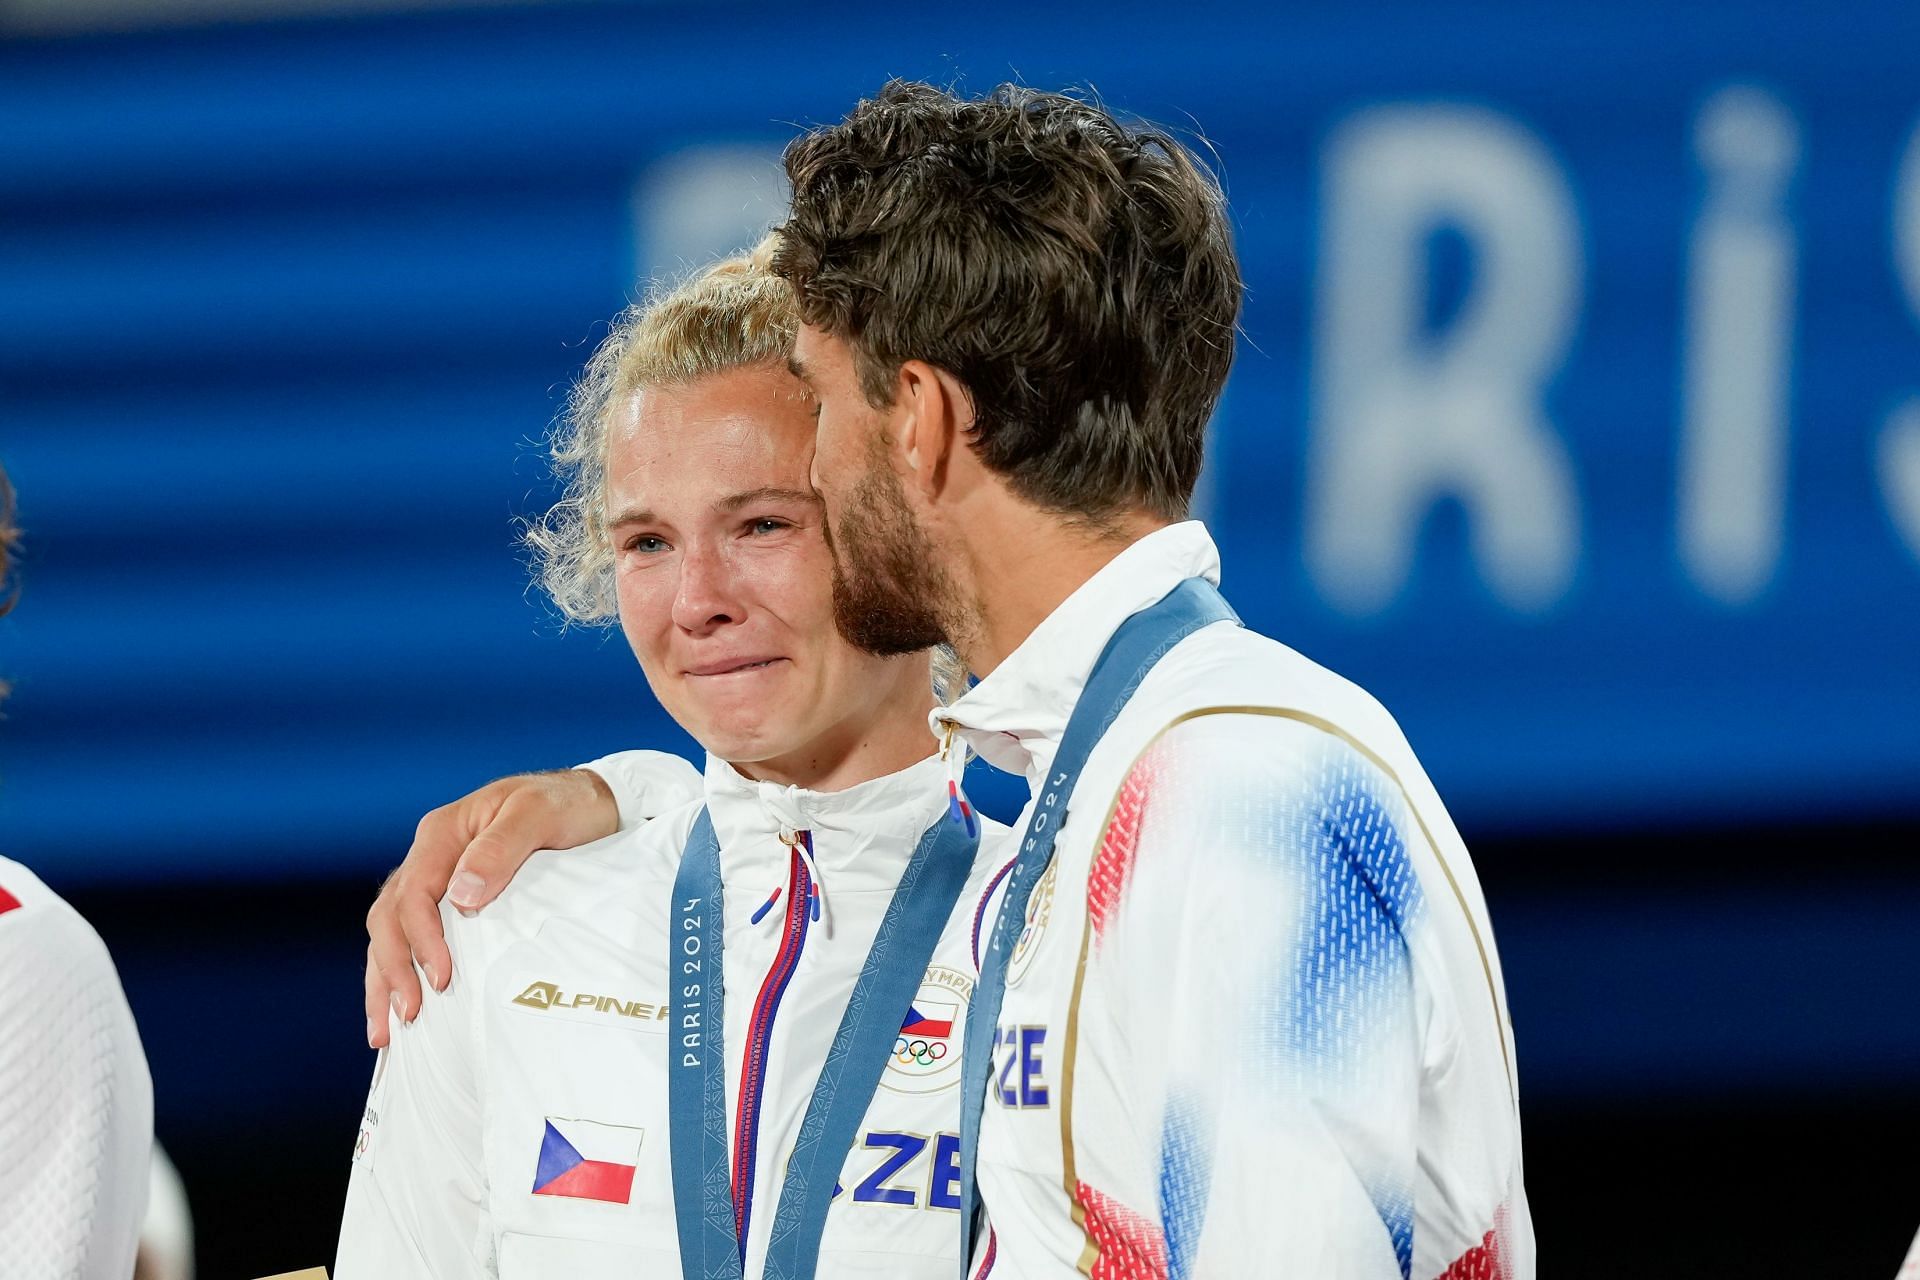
x=783, y=805
x=955, y=755
x=816, y=887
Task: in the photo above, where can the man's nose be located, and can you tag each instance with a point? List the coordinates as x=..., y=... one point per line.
x=706, y=598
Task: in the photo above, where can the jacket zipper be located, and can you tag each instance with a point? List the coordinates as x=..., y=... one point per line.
x=746, y=1139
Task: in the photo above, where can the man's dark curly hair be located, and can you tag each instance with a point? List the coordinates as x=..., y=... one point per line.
x=1075, y=273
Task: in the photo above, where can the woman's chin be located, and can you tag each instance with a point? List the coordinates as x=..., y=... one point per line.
x=745, y=745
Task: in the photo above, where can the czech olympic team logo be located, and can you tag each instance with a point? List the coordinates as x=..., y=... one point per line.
x=925, y=1033
x=926, y=1053
x=1039, y=912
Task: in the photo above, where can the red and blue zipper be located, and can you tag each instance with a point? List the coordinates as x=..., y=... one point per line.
x=803, y=907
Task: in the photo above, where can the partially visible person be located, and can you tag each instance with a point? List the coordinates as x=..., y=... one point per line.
x=166, y=1239
x=1242, y=928
x=76, y=1102
x=622, y=1076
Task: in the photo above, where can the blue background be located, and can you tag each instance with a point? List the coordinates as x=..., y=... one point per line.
x=284, y=308
x=280, y=309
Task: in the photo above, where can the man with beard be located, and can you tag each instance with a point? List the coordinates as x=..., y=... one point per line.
x=1241, y=1011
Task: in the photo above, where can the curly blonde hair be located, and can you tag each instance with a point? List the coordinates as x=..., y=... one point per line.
x=729, y=315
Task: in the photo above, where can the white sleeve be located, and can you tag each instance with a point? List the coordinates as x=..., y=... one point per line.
x=76, y=1102
x=1264, y=986
x=417, y=1196
x=645, y=784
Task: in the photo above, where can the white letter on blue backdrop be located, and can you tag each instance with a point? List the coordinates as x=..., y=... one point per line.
x=703, y=202
x=1401, y=418
x=1739, y=334
x=1900, y=442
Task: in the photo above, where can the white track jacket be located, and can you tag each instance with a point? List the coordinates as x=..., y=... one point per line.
x=518, y=1127
x=76, y=1102
x=1255, y=1023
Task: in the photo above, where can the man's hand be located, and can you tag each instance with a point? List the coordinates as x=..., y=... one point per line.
x=468, y=850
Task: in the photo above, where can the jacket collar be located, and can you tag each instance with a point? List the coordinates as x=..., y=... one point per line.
x=1015, y=717
x=863, y=836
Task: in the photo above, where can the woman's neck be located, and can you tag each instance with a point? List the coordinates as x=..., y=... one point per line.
x=859, y=748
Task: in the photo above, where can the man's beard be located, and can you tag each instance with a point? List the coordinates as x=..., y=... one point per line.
x=888, y=589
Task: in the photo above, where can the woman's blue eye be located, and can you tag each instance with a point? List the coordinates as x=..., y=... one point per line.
x=646, y=544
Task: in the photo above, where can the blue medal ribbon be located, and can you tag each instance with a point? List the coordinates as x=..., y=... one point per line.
x=1140, y=642
x=710, y=1247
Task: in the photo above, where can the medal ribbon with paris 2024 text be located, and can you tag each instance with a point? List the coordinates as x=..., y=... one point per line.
x=710, y=1245
x=1139, y=643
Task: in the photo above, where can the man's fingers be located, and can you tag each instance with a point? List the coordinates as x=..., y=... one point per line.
x=497, y=852
x=437, y=843
x=468, y=851
x=420, y=923
x=377, y=1035
x=470, y=890
x=392, y=962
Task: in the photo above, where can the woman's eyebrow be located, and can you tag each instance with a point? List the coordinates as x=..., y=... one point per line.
x=767, y=493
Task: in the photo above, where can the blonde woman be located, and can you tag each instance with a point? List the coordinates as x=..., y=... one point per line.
x=778, y=1092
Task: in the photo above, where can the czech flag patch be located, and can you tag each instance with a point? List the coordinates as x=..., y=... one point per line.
x=587, y=1160
x=930, y=1019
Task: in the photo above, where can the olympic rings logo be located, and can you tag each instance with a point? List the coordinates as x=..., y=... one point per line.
x=917, y=1052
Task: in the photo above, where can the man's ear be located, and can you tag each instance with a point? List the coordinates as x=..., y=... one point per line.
x=933, y=415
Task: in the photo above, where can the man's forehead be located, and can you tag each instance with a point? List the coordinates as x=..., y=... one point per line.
x=813, y=350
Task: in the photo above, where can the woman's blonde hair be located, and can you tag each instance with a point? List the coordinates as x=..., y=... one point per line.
x=729, y=315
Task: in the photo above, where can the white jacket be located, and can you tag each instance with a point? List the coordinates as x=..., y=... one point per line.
x=552, y=1038
x=76, y=1102
x=1255, y=1024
